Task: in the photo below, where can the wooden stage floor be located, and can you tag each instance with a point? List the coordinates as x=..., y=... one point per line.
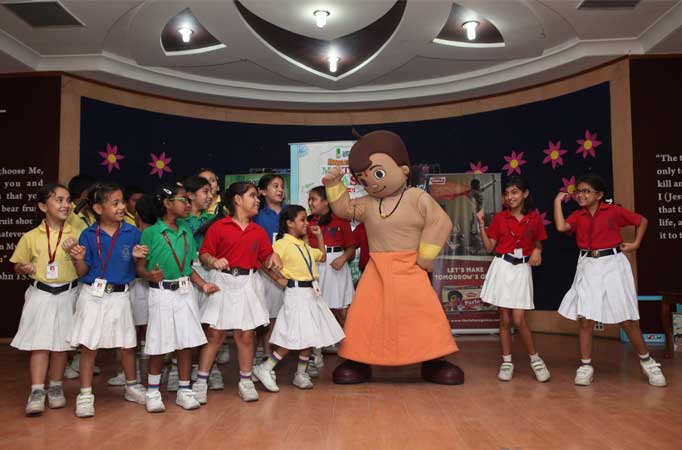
x=395, y=411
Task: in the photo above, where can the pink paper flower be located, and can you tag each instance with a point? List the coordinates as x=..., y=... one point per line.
x=111, y=158
x=554, y=154
x=477, y=169
x=588, y=144
x=514, y=163
x=569, y=187
x=159, y=164
x=543, y=217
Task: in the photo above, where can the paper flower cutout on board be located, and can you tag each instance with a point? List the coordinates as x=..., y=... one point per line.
x=543, y=217
x=514, y=163
x=588, y=145
x=159, y=164
x=477, y=169
x=569, y=188
x=111, y=158
x=554, y=154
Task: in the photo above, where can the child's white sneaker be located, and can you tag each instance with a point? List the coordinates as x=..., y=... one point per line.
x=215, y=379
x=200, y=392
x=85, y=405
x=194, y=374
x=247, y=391
x=36, y=403
x=541, y=372
x=302, y=380
x=506, y=371
x=223, y=355
x=55, y=397
x=265, y=377
x=154, y=402
x=136, y=393
x=185, y=398
x=312, y=369
x=173, y=382
x=118, y=380
x=584, y=375
x=652, y=369
x=318, y=358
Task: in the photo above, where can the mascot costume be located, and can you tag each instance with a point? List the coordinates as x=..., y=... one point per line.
x=396, y=318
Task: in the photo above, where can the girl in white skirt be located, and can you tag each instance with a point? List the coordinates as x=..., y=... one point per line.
x=173, y=315
x=235, y=247
x=603, y=289
x=515, y=234
x=47, y=315
x=305, y=321
x=271, y=195
x=104, y=318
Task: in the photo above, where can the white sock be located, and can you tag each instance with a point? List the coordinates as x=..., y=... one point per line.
x=507, y=358
x=534, y=358
x=645, y=356
x=153, y=382
x=37, y=387
x=56, y=383
x=586, y=362
x=86, y=391
x=272, y=361
x=183, y=384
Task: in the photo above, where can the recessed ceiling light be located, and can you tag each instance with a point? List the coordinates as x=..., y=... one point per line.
x=471, y=29
x=321, y=17
x=333, y=59
x=185, y=32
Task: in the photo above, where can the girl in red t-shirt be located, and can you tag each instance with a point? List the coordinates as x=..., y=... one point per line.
x=603, y=289
x=515, y=234
x=234, y=247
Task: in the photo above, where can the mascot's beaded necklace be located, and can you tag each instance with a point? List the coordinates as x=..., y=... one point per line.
x=386, y=216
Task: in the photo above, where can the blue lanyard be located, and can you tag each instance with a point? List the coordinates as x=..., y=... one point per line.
x=202, y=220
x=308, y=262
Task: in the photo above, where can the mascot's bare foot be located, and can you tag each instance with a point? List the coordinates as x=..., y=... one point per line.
x=351, y=372
x=440, y=371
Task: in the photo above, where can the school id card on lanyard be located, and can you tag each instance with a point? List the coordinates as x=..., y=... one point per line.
x=183, y=281
x=100, y=285
x=52, y=269
x=309, y=265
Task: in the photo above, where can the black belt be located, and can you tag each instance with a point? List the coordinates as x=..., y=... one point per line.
x=509, y=258
x=600, y=253
x=334, y=249
x=236, y=271
x=54, y=290
x=110, y=287
x=301, y=284
x=170, y=285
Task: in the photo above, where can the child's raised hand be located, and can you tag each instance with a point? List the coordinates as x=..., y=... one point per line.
x=209, y=288
x=338, y=263
x=220, y=264
x=68, y=243
x=274, y=262
x=560, y=196
x=25, y=269
x=480, y=216
x=77, y=253
x=316, y=230
x=140, y=251
x=628, y=247
x=535, y=258
x=155, y=275
x=333, y=176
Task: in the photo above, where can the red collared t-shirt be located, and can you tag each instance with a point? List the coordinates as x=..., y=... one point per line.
x=242, y=248
x=337, y=233
x=603, y=230
x=511, y=233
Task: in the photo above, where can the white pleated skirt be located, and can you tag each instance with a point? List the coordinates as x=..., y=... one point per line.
x=173, y=322
x=103, y=322
x=336, y=285
x=46, y=321
x=273, y=295
x=508, y=286
x=238, y=305
x=603, y=290
x=139, y=301
x=305, y=321
x=199, y=295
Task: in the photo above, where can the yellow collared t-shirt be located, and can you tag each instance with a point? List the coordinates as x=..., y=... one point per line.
x=294, y=264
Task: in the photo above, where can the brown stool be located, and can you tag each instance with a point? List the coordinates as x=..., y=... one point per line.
x=669, y=299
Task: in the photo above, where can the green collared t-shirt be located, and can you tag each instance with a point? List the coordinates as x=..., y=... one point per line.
x=160, y=252
x=194, y=223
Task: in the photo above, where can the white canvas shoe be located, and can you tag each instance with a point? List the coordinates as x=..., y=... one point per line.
x=541, y=372
x=265, y=377
x=36, y=403
x=584, y=375
x=154, y=401
x=55, y=397
x=136, y=394
x=506, y=371
x=200, y=392
x=185, y=398
x=247, y=391
x=85, y=405
x=302, y=381
x=652, y=370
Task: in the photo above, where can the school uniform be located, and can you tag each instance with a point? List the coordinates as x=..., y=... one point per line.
x=173, y=313
x=129, y=218
x=47, y=316
x=239, y=305
x=336, y=285
x=105, y=319
x=305, y=320
x=509, y=281
x=603, y=288
x=274, y=294
x=80, y=221
x=194, y=223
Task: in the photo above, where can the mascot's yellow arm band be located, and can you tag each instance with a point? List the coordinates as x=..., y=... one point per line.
x=335, y=192
x=428, y=251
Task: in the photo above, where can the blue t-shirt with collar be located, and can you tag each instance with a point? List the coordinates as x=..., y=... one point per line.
x=121, y=266
x=268, y=219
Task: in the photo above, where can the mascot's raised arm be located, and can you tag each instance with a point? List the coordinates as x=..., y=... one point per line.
x=395, y=318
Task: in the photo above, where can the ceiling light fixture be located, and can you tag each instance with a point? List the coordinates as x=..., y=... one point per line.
x=185, y=32
x=333, y=61
x=471, y=29
x=321, y=17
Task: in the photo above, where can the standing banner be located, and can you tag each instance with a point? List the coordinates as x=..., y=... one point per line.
x=460, y=269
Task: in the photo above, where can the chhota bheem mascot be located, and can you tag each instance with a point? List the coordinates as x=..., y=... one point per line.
x=396, y=318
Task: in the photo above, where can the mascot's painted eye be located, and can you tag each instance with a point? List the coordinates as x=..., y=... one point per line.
x=379, y=174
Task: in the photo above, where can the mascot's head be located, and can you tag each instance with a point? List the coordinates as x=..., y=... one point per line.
x=379, y=161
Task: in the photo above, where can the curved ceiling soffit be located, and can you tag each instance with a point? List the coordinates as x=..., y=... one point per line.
x=353, y=50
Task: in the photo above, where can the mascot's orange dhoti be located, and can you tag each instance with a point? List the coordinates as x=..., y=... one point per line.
x=396, y=317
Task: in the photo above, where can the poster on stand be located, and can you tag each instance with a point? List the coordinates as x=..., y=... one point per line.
x=460, y=269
